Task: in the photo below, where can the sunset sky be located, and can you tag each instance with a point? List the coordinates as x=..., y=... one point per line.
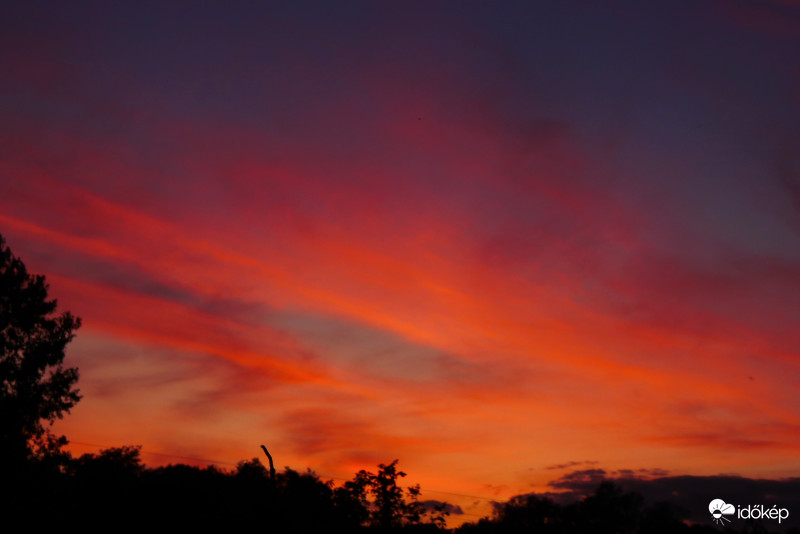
x=499, y=241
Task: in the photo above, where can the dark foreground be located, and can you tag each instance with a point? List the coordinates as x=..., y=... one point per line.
x=113, y=492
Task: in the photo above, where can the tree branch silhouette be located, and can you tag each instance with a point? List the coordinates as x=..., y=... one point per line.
x=271, y=465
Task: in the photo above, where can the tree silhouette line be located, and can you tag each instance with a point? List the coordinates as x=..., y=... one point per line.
x=114, y=484
x=608, y=510
x=113, y=487
x=113, y=490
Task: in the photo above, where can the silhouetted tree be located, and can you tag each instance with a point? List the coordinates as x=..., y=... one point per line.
x=351, y=500
x=107, y=486
x=251, y=469
x=113, y=464
x=390, y=507
x=306, y=502
x=254, y=490
x=413, y=509
x=610, y=511
x=187, y=498
x=34, y=384
x=663, y=518
x=438, y=516
x=530, y=513
x=389, y=502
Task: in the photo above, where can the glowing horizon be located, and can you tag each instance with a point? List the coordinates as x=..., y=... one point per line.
x=486, y=245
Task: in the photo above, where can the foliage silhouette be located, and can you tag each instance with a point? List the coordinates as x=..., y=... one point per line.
x=351, y=500
x=106, y=482
x=610, y=511
x=663, y=518
x=531, y=513
x=439, y=514
x=389, y=503
x=391, y=508
x=413, y=509
x=115, y=463
x=34, y=384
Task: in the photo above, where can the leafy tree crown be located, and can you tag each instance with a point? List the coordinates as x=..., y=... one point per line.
x=34, y=384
